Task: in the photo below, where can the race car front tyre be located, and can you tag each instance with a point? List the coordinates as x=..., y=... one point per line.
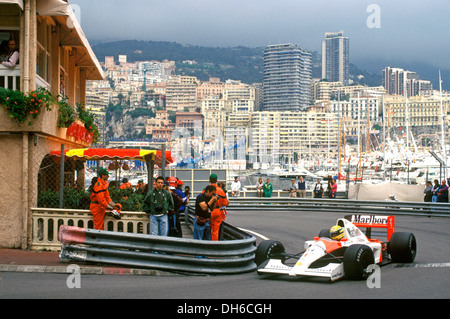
x=268, y=249
x=403, y=247
x=357, y=259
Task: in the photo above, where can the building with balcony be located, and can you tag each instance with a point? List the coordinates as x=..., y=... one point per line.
x=287, y=78
x=53, y=54
x=417, y=111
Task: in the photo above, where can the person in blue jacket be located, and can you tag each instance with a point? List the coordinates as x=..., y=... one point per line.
x=185, y=201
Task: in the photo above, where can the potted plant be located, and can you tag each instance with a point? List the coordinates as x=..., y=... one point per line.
x=20, y=106
x=67, y=115
x=88, y=119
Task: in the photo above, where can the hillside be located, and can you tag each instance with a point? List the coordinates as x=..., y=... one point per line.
x=236, y=63
x=243, y=63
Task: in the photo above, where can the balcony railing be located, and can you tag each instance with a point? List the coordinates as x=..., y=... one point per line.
x=10, y=77
x=46, y=223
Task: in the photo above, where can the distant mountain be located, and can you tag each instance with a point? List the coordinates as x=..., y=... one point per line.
x=244, y=63
x=237, y=63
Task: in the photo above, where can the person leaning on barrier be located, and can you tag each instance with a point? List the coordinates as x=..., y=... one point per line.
x=204, y=204
x=158, y=202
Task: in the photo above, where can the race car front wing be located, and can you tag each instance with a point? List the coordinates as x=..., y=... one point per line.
x=333, y=271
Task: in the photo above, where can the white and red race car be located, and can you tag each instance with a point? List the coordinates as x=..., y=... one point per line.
x=350, y=257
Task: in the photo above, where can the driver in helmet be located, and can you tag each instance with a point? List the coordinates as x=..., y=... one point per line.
x=337, y=232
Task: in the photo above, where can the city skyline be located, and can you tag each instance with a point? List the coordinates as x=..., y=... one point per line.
x=416, y=33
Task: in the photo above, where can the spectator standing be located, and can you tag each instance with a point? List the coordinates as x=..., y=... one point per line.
x=235, y=187
x=100, y=199
x=428, y=192
x=187, y=192
x=318, y=189
x=328, y=190
x=267, y=188
x=173, y=219
x=333, y=188
x=177, y=212
x=218, y=214
x=125, y=184
x=443, y=192
x=301, y=188
x=259, y=187
x=204, y=204
x=435, y=191
x=158, y=202
x=293, y=189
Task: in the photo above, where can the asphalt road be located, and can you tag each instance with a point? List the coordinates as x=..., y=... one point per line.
x=427, y=277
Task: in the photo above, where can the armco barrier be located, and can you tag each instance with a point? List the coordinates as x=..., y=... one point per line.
x=158, y=252
x=341, y=205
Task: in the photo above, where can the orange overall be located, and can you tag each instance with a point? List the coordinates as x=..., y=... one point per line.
x=99, y=201
x=218, y=213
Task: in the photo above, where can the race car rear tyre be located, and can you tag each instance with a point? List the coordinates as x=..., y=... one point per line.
x=268, y=249
x=403, y=247
x=357, y=258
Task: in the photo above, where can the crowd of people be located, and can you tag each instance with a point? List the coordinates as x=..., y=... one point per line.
x=165, y=203
x=437, y=193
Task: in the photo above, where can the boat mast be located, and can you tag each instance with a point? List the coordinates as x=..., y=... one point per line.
x=444, y=155
x=339, y=125
x=384, y=140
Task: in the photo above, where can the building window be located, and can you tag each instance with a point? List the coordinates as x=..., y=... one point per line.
x=43, y=51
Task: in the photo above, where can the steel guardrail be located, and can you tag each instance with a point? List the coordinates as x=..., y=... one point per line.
x=160, y=252
x=341, y=205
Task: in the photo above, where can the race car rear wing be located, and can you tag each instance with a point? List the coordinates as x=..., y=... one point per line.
x=373, y=221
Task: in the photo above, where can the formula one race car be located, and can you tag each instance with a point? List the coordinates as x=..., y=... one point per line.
x=342, y=251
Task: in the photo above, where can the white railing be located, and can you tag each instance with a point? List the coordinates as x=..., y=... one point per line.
x=10, y=77
x=46, y=223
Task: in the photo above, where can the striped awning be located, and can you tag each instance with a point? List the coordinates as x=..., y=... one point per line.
x=89, y=154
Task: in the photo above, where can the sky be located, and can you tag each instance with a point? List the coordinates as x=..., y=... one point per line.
x=391, y=30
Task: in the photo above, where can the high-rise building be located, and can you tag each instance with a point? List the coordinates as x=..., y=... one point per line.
x=335, y=57
x=287, y=78
x=396, y=80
